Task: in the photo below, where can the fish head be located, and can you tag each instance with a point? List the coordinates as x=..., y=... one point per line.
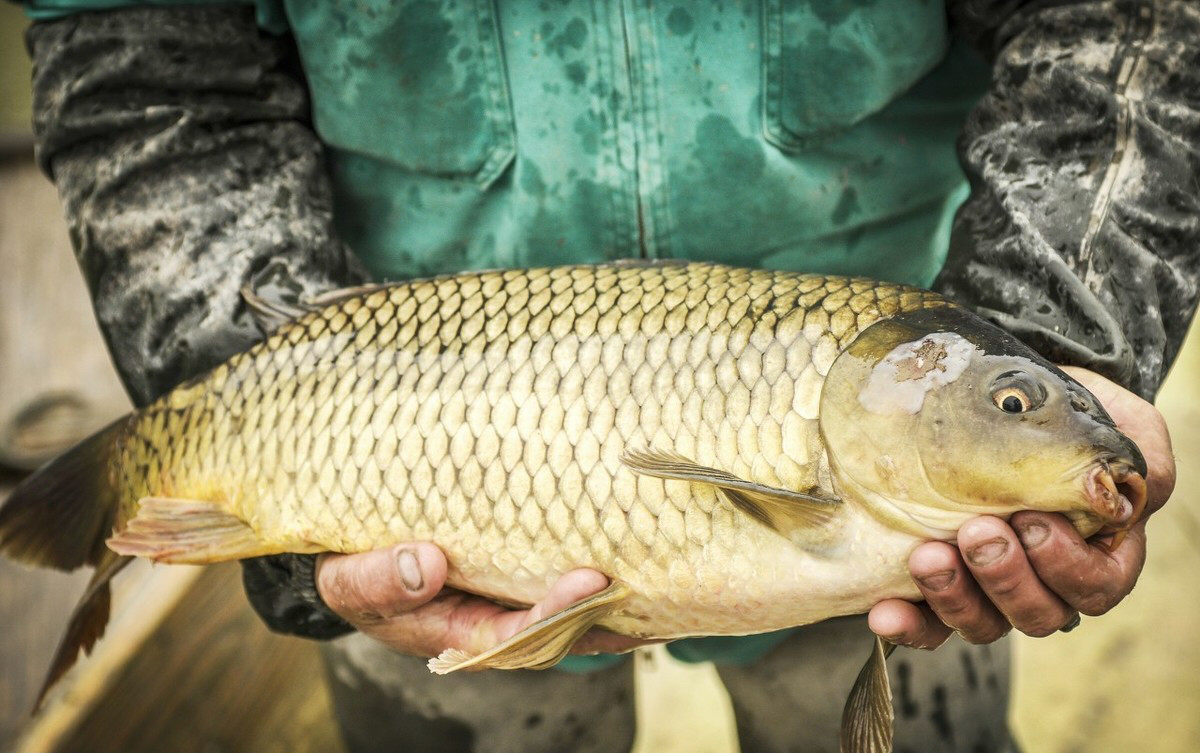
x=937, y=416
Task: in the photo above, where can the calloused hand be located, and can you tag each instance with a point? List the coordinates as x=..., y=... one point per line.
x=398, y=597
x=1035, y=572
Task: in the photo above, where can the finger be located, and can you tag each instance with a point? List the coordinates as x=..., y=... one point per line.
x=995, y=557
x=474, y=624
x=952, y=593
x=571, y=587
x=373, y=586
x=1085, y=575
x=453, y=619
x=907, y=624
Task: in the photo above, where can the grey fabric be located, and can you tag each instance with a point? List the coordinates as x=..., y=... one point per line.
x=790, y=701
x=948, y=700
x=1082, y=232
x=179, y=143
x=388, y=702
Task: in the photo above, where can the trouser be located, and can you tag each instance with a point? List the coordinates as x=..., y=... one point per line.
x=951, y=700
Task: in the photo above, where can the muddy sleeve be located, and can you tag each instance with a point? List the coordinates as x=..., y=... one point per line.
x=1082, y=231
x=178, y=139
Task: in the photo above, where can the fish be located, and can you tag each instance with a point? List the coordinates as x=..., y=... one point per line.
x=738, y=450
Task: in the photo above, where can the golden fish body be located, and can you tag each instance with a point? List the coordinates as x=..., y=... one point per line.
x=489, y=413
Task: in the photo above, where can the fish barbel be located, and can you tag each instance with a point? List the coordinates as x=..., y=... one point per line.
x=733, y=448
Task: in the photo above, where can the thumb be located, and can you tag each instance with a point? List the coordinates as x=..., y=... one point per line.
x=372, y=586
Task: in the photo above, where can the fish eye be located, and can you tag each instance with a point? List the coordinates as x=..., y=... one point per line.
x=1011, y=400
x=1017, y=392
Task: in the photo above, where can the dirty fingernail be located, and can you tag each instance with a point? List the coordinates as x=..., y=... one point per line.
x=937, y=581
x=1032, y=534
x=410, y=570
x=987, y=552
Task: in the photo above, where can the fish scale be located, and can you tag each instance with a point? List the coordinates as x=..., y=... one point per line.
x=488, y=412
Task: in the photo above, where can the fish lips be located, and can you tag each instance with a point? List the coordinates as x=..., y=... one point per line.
x=1115, y=486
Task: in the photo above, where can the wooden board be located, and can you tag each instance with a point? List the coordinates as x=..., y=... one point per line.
x=34, y=605
x=210, y=677
x=49, y=344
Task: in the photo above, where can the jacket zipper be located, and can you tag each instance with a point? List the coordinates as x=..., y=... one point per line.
x=631, y=81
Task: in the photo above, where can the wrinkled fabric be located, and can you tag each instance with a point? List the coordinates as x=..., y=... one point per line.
x=1082, y=233
x=179, y=148
x=268, y=13
x=951, y=700
x=795, y=135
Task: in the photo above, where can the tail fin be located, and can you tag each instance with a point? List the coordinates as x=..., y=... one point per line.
x=87, y=623
x=60, y=517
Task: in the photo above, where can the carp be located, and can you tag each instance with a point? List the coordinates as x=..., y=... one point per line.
x=738, y=450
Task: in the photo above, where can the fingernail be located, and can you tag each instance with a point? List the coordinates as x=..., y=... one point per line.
x=937, y=581
x=1032, y=533
x=988, y=552
x=410, y=570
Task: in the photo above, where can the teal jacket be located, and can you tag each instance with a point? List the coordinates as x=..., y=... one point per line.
x=784, y=134
x=801, y=135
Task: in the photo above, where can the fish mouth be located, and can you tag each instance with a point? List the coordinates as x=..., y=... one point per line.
x=1116, y=492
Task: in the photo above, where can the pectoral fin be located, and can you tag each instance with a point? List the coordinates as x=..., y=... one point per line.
x=868, y=715
x=186, y=531
x=329, y=297
x=542, y=644
x=775, y=507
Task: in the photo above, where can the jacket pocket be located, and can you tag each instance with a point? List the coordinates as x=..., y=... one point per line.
x=417, y=83
x=828, y=64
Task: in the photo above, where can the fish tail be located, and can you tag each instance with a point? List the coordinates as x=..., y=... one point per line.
x=61, y=514
x=60, y=517
x=86, y=625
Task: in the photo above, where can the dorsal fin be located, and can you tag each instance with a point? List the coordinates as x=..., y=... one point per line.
x=329, y=297
x=775, y=507
x=636, y=263
x=270, y=313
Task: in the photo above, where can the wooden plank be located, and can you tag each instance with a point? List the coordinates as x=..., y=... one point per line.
x=34, y=606
x=143, y=597
x=211, y=678
x=49, y=344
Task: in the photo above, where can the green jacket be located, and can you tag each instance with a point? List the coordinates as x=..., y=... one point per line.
x=814, y=136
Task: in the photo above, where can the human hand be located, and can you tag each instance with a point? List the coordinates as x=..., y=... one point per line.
x=398, y=597
x=1035, y=572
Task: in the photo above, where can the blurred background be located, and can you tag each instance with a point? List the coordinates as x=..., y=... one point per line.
x=187, y=666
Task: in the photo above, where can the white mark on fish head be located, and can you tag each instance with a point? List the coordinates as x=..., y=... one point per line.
x=902, y=378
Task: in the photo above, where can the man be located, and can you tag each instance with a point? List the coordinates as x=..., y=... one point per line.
x=808, y=135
